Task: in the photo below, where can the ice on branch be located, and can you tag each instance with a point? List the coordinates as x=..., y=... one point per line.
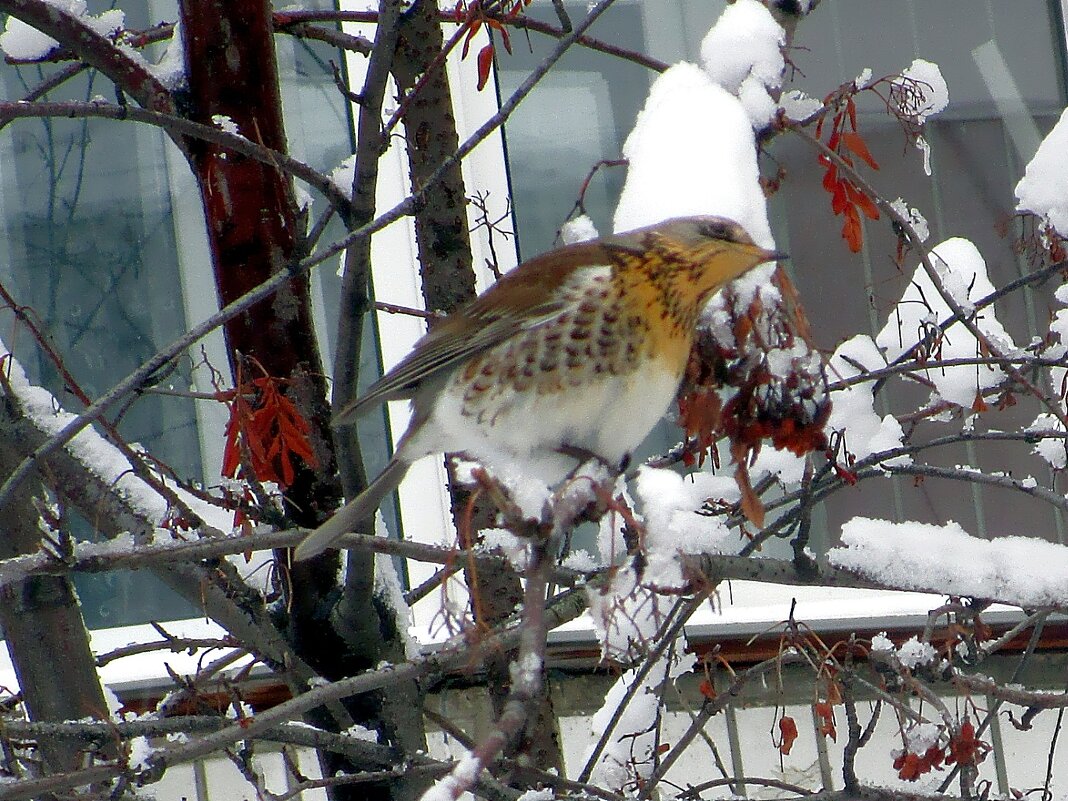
x=853, y=414
x=918, y=93
x=962, y=272
x=1043, y=190
x=743, y=54
x=1022, y=571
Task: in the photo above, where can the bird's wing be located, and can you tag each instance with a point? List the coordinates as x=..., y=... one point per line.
x=523, y=299
x=443, y=349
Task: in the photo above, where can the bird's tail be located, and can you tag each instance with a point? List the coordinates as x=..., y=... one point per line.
x=355, y=513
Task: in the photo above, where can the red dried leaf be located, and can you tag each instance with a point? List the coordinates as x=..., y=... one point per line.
x=966, y=748
x=852, y=232
x=471, y=31
x=485, y=64
x=788, y=733
x=863, y=202
x=855, y=142
x=836, y=135
x=825, y=714
x=839, y=198
x=752, y=507
x=830, y=178
x=911, y=766
x=707, y=690
x=851, y=110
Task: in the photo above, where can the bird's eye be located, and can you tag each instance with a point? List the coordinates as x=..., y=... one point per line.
x=717, y=230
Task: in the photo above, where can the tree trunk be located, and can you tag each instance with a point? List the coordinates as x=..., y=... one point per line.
x=45, y=633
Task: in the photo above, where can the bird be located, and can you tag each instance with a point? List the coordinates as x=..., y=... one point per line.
x=580, y=350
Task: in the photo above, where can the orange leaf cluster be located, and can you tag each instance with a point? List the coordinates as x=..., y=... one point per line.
x=847, y=198
x=474, y=16
x=265, y=426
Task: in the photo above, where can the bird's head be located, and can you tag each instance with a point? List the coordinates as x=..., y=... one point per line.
x=699, y=255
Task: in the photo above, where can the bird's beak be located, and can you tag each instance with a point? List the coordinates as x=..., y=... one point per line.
x=774, y=255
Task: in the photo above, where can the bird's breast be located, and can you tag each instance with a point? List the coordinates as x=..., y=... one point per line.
x=597, y=376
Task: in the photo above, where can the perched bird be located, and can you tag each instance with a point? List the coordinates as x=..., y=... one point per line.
x=578, y=351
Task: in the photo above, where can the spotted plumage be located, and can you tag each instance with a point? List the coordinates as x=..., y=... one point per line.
x=580, y=349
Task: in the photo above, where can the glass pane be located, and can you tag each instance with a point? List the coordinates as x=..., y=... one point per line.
x=977, y=158
x=92, y=248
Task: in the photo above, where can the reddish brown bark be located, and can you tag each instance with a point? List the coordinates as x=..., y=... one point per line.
x=252, y=219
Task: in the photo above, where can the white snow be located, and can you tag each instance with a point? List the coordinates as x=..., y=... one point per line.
x=743, y=54
x=24, y=43
x=914, y=653
x=922, y=736
x=226, y=123
x=797, y=105
x=100, y=456
x=1053, y=450
x=962, y=271
x=920, y=92
x=628, y=750
x=581, y=560
x=853, y=407
x=342, y=177
x=449, y=787
x=915, y=219
x=925, y=92
x=691, y=152
x=880, y=643
x=21, y=41
x=863, y=81
x=1023, y=571
x=578, y=229
x=170, y=71
x=514, y=549
x=1043, y=190
x=668, y=501
x=358, y=732
x=389, y=590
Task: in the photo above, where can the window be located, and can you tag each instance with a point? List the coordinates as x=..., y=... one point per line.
x=99, y=221
x=992, y=67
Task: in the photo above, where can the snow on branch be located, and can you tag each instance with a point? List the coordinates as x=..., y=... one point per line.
x=1023, y=571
